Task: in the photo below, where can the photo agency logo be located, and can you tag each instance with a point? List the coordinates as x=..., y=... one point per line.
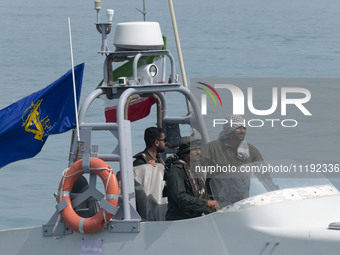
x=272, y=105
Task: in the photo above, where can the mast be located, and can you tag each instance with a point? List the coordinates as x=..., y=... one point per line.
x=144, y=10
x=178, y=44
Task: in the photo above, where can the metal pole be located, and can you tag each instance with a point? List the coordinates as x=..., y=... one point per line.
x=180, y=57
x=73, y=79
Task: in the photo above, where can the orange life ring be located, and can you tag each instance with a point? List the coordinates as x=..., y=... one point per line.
x=70, y=217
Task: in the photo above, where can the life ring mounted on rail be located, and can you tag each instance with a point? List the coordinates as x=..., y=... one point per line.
x=96, y=222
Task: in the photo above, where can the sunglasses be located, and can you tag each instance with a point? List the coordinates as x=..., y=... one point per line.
x=164, y=139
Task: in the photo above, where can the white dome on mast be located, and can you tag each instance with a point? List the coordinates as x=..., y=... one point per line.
x=138, y=36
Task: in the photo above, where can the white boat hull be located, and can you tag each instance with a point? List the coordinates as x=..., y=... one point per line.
x=287, y=227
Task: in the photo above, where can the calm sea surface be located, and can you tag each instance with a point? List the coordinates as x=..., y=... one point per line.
x=264, y=38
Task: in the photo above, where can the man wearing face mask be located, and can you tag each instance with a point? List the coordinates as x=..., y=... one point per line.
x=231, y=146
x=231, y=150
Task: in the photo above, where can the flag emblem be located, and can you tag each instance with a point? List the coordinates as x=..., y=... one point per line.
x=33, y=122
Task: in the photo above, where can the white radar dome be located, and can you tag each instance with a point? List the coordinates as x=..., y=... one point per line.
x=138, y=36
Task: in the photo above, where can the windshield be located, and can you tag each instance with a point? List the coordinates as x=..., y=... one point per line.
x=249, y=180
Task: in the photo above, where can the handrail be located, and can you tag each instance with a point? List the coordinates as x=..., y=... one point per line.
x=124, y=133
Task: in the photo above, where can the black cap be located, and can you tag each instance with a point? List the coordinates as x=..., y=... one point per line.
x=188, y=143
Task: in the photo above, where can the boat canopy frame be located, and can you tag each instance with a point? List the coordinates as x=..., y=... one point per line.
x=127, y=219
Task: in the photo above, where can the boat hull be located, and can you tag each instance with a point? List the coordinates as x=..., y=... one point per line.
x=287, y=227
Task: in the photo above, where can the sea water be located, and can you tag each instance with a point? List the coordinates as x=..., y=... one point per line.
x=219, y=38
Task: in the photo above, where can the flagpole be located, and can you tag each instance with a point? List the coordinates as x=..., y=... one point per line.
x=179, y=51
x=178, y=44
x=73, y=79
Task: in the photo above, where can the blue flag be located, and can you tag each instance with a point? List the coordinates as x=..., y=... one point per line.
x=26, y=124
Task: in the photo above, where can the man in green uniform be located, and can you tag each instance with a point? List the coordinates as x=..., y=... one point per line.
x=187, y=194
x=155, y=143
x=230, y=150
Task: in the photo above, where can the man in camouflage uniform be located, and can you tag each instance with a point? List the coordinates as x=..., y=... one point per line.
x=186, y=190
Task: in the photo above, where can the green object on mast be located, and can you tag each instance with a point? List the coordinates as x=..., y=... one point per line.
x=126, y=69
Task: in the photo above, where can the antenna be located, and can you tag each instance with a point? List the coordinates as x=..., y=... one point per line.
x=97, y=7
x=73, y=80
x=103, y=28
x=144, y=10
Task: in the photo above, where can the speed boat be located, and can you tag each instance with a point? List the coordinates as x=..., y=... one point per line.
x=298, y=217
